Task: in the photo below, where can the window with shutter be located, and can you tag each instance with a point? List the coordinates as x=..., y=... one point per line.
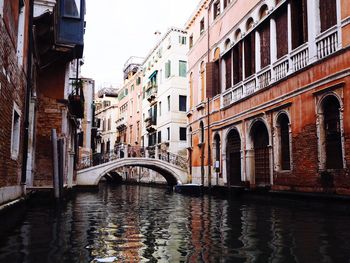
x=328, y=14
x=182, y=68
x=281, y=19
x=264, y=32
x=299, y=22
x=228, y=69
x=168, y=69
x=237, y=63
x=249, y=54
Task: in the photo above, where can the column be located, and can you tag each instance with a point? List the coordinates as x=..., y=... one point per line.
x=70, y=169
x=312, y=22
x=273, y=45
x=289, y=28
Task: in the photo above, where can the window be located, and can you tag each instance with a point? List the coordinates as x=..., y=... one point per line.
x=182, y=40
x=334, y=158
x=182, y=103
x=15, y=136
x=143, y=92
x=138, y=81
x=249, y=54
x=237, y=63
x=183, y=136
x=284, y=142
x=168, y=69
x=130, y=134
x=201, y=25
x=201, y=126
x=168, y=130
x=152, y=139
x=227, y=60
x=72, y=8
x=168, y=102
x=328, y=14
x=226, y=2
x=191, y=41
x=160, y=76
x=20, y=35
x=182, y=68
x=216, y=9
x=81, y=139
x=109, y=124
x=281, y=19
x=159, y=137
x=264, y=32
x=299, y=22
x=132, y=88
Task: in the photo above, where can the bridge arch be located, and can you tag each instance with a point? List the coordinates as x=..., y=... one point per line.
x=173, y=175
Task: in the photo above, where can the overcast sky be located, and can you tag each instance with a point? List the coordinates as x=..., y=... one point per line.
x=117, y=29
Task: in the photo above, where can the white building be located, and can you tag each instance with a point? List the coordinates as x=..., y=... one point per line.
x=106, y=116
x=164, y=94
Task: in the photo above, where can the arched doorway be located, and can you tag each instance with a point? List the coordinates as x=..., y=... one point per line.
x=260, y=138
x=234, y=158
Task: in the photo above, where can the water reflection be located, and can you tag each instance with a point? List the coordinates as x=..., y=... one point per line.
x=140, y=224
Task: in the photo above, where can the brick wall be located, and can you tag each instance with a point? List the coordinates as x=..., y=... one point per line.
x=13, y=83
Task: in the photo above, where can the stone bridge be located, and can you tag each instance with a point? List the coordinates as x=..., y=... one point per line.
x=172, y=167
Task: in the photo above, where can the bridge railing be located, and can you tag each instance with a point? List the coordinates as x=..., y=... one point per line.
x=123, y=151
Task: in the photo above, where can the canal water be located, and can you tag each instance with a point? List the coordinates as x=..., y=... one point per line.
x=143, y=224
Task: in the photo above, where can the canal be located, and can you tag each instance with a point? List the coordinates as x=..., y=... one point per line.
x=143, y=224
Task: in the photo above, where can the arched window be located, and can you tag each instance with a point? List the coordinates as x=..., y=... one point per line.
x=249, y=24
x=217, y=54
x=283, y=142
x=264, y=11
x=332, y=133
x=201, y=125
x=202, y=73
x=238, y=34
x=227, y=43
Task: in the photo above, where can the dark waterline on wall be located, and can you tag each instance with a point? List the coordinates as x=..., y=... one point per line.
x=142, y=224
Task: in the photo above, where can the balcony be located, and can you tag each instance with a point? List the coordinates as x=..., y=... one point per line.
x=121, y=124
x=76, y=99
x=59, y=35
x=150, y=125
x=324, y=45
x=152, y=94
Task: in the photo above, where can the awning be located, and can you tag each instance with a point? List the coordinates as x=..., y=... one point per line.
x=153, y=74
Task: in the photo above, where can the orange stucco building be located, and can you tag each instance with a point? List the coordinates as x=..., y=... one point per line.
x=269, y=94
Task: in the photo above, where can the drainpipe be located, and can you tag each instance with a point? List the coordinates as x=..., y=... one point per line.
x=208, y=108
x=27, y=98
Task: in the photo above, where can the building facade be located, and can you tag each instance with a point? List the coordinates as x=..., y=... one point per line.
x=269, y=94
x=106, y=116
x=164, y=98
x=14, y=19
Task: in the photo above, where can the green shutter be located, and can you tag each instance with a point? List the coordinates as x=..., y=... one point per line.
x=168, y=69
x=182, y=68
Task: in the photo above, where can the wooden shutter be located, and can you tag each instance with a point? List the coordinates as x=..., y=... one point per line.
x=299, y=22
x=281, y=19
x=212, y=77
x=237, y=63
x=228, y=69
x=249, y=54
x=328, y=14
x=265, y=44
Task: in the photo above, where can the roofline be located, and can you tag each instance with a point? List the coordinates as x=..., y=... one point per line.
x=172, y=29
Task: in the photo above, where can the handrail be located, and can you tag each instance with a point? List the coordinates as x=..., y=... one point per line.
x=124, y=151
